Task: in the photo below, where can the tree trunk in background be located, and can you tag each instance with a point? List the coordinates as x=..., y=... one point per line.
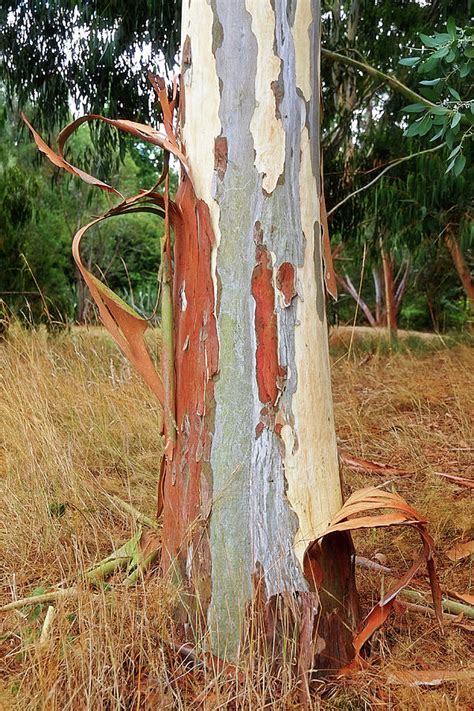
x=379, y=310
x=390, y=303
x=255, y=476
x=348, y=286
x=462, y=269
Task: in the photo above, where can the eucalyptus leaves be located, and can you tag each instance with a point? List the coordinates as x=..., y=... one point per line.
x=448, y=112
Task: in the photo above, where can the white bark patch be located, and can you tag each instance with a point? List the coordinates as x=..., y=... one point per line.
x=202, y=124
x=311, y=463
x=183, y=299
x=267, y=130
x=301, y=38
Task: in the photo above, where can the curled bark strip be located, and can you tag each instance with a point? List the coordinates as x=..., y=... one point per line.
x=167, y=107
x=124, y=324
x=59, y=161
x=138, y=130
x=401, y=513
x=329, y=273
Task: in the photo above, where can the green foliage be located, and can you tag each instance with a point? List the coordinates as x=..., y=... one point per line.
x=98, y=53
x=450, y=116
x=40, y=210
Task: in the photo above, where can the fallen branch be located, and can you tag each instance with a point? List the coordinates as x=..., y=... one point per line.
x=371, y=564
x=136, y=555
x=138, y=516
x=349, y=460
x=53, y=596
x=463, y=597
x=429, y=677
x=451, y=606
x=459, y=480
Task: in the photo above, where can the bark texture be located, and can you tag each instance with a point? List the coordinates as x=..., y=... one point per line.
x=255, y=480
x=390, y=302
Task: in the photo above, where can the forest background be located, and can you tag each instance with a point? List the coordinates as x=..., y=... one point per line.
x=407, y=226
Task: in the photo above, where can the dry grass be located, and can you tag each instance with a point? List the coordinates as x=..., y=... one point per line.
x=78, y=425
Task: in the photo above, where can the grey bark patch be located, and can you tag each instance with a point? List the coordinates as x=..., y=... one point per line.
x=272, y=518
x=291, y=11
x=230, y=540
x=251, y=519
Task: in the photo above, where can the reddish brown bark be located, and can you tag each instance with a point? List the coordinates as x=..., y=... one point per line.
x=390, y=303
x=186, y=489
x=286, y=282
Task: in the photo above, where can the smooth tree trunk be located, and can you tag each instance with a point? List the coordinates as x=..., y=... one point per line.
x=254, y=479
x=379, y=310
x=390, y=301
x=462, y=268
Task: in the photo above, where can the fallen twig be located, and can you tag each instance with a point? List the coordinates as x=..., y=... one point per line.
x=371, y=564
x=48, y=621
x=460, y=480
x=135, y=513
x=61, y=594
x=429, y=677
x=451, y=606
x=349, y=460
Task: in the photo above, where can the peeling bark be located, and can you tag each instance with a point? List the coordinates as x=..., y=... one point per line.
x=270, y=375
x=255, y=478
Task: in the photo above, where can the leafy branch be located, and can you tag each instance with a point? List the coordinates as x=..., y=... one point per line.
x=438, y=106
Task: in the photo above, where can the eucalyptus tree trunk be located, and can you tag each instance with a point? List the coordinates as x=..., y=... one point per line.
x=460, y=263
x=390, y=302
x=254, y=480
